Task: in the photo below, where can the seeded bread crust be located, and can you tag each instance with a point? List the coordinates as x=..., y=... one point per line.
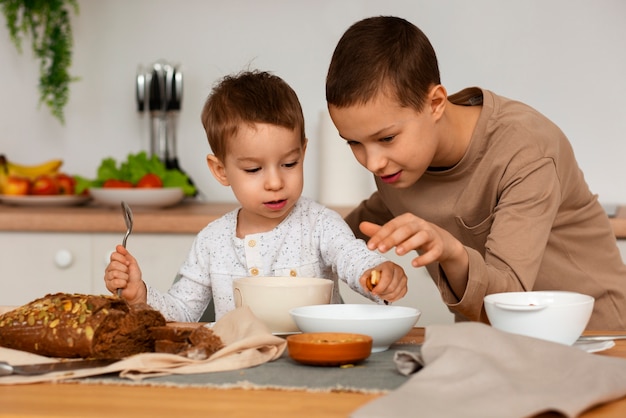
x=79, y=325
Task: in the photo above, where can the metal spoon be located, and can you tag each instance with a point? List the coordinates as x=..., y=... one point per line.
x=128, y=218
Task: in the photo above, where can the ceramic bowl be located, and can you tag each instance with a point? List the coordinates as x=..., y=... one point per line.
x=385, y=324
x=329, y=348
x=271, y=298
x=138, y=197
x=556, y=316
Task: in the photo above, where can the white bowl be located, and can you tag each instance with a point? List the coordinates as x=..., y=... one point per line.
x=385, y=324
x=557, y=316
x=138, y=197
x=271, y=298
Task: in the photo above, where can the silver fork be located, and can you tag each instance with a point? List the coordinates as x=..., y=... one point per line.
x=128, y=218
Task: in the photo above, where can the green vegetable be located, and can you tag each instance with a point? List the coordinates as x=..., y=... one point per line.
x=133, y=169
x=47, y=22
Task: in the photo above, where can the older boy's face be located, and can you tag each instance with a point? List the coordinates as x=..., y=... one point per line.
x=264, y=166
x=395, y=143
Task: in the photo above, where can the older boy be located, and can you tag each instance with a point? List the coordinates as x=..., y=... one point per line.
x=485, y=189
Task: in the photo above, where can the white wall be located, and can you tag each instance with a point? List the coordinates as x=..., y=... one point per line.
x=564, y=57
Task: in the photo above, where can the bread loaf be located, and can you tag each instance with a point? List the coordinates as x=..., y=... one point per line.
x=193, y=341
x=79, y=325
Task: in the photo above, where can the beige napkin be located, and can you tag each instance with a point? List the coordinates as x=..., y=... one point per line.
x=248, y=342
x=473, y=370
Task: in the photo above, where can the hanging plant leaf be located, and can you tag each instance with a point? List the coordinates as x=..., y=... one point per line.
x=47, y=23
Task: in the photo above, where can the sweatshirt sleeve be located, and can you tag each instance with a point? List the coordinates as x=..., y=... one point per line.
x=348, y=256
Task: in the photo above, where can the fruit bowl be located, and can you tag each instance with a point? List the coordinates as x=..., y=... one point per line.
x=138, y=197
x=329, y=348
x=53, y=200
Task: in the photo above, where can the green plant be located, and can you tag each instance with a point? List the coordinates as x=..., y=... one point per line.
x=47, y=22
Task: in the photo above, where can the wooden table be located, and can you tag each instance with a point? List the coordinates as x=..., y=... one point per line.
x=91, y=400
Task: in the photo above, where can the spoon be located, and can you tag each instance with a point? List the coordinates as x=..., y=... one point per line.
x=128, y=218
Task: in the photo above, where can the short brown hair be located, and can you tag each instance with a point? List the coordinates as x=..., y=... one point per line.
x=382, y=54
x=247, y=98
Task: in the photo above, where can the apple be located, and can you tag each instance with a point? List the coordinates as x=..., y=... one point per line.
x=17, y=186
x=150, y=180
x=114, y=183
x=44, y=185
x=65, y=183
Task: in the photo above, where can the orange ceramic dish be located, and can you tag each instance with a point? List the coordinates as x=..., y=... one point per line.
x=329, y=348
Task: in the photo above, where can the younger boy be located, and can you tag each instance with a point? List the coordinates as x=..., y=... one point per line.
x=255, y=127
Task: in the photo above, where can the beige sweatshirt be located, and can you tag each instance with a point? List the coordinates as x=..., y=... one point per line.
x=520, y=205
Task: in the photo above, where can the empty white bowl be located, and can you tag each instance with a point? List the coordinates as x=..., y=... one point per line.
x=557, y=316
x=271, y=298
x=385, y=324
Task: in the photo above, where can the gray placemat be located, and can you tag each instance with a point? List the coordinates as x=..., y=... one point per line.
x=377, y=374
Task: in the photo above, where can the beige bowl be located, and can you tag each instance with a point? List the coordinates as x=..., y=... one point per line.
x=271, y=298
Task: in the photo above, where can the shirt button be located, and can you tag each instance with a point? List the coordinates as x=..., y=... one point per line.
x=293, y=273
x=251, y=243
x=254, y=271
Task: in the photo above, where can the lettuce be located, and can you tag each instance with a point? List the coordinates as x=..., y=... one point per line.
x=133, y=169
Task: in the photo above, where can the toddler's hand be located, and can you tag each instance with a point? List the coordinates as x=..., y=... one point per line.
x=123, y=272
x=391, y=284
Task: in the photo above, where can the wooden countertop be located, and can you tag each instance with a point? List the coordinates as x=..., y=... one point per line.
x=98, y=400
x=187, y=218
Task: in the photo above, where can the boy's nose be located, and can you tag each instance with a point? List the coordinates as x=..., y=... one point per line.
x=273, y=181
x=375, y=162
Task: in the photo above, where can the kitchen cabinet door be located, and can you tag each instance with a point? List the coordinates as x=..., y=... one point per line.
x=35, y=264
x=159, y=256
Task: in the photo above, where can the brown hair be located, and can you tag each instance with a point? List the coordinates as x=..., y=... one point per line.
x=247, y=98
x=382, y=54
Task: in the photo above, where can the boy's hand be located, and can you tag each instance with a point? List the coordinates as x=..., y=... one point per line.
x=407, y=232
x=123, y=273
x=391, y=284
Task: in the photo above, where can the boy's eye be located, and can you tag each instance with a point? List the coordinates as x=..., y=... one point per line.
x=251, y=170
x=352, y=143
x=289, y=165
x=387, y=139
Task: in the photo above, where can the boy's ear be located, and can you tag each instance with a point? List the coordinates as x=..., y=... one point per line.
x=438, y=97
x=217, y=169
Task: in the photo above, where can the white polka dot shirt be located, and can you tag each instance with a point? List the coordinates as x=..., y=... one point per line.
x=313, y=241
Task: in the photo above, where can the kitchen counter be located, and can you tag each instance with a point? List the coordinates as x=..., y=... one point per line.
x=188, y=217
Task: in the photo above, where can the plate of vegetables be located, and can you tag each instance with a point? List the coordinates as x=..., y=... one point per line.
x=140, y=181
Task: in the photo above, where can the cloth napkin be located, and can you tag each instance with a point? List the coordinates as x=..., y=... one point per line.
x=473, y=370
x=248, y=342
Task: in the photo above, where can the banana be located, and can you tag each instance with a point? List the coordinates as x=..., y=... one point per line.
x=32, y=171
x=4, y=173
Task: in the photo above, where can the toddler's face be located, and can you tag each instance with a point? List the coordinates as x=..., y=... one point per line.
x=395, y=143
x=264, y=166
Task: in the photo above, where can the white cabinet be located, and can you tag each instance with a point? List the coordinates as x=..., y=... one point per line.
x=159, y=256
x=33, y=264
